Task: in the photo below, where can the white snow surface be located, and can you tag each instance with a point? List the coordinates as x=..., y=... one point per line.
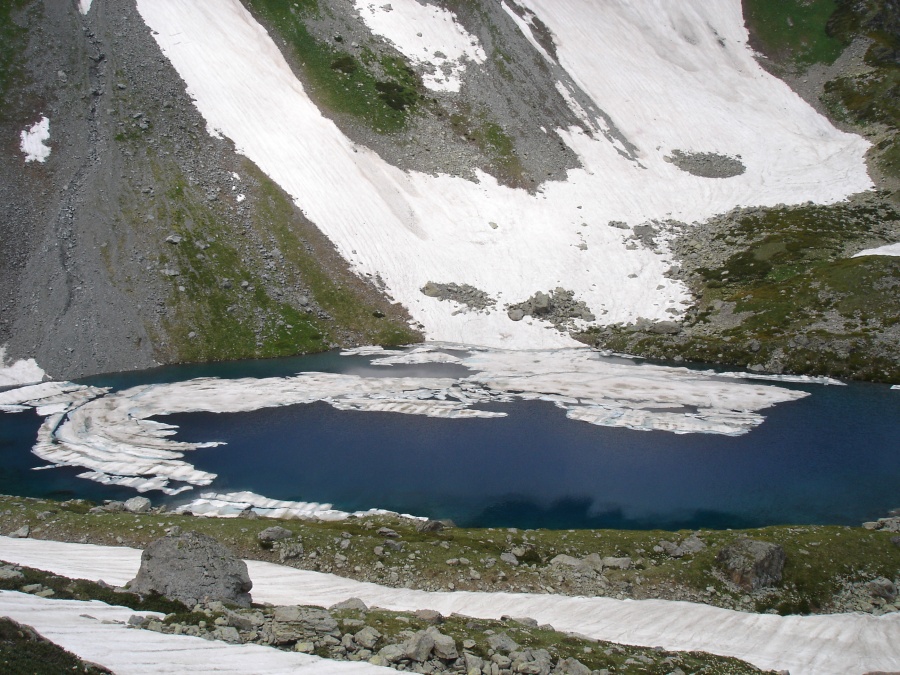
x=33, y=141
x=889, y=249
x=96, y=632
x=84, y=6
x=113, y=436
x=23, y=371
x=838, y=644
x=670, y=75
x=427, y=35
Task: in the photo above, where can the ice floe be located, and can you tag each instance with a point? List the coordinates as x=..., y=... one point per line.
x=233, y=504
x=428, y=35
x=33, y=141
x=23, y=371
x=671, y=76
x=888, y=249
x=837, y=644
x=113, y=435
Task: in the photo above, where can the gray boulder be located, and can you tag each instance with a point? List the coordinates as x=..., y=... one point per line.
x=272, y=534
x=293, y=623
x=571, y=666
x=753, y=564
x=501, y=642
x=367, y=637
x=22, y=533
x=193, y=567
x=419, y=647
x=138, y=505
x=444, y=645
x=350, y=603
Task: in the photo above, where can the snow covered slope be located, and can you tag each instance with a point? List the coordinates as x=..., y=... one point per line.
x=808, y=645
x=670, y=77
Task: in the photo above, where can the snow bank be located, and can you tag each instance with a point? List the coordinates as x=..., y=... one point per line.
x=671, y=76
x=427, y=35
x=840, y=644
x=84, y=6
x=113, y=436
x=96, y=632
x=34, y=141
x=23, y=371
x=889, y=249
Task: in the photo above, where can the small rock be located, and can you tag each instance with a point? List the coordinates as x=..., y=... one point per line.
x=444, y=645
x=387, y=532
x=174, y=239
x=367, y=637
x=753, y=564
x=501, y=642
x=419, y=647
x=509, y=558
x=351, y=603
x=22, y=533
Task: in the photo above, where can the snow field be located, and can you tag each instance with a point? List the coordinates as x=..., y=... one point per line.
x=23, y=371
x=839, y=644
x=96, y=632
x=670, y=75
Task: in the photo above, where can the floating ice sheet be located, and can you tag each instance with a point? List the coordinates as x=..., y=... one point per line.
x=113, y=436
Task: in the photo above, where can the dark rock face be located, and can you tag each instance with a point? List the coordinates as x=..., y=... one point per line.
x=193, y=567
x=753, y=564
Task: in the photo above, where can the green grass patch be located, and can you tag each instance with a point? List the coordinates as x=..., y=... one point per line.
x=794, y=31
x=12, y=44
x=379, y=92
x=820, y=559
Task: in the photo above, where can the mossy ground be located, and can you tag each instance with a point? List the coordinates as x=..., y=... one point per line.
x=820, y=559
x=380, y=91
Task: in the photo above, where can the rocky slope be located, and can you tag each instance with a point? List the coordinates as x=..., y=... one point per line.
x=144, y=239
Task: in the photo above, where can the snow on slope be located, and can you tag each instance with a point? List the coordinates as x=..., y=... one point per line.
x=840, y=644
x=97, y=632
x=426, y=35
x=671, y=76
x=33, y=141
x=888, y=249
x=23, y=371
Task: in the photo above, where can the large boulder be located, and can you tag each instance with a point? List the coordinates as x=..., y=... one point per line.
x=193, y=568
x=753, y=564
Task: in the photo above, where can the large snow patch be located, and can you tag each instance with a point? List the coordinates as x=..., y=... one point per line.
x=671, y=76
x=33, y=141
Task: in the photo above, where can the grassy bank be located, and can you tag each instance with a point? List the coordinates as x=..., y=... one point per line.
x=827, y=567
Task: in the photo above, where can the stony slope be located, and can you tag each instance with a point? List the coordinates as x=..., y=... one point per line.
x=143, y=239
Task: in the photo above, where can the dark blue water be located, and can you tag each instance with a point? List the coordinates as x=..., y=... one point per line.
x=831, y=458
